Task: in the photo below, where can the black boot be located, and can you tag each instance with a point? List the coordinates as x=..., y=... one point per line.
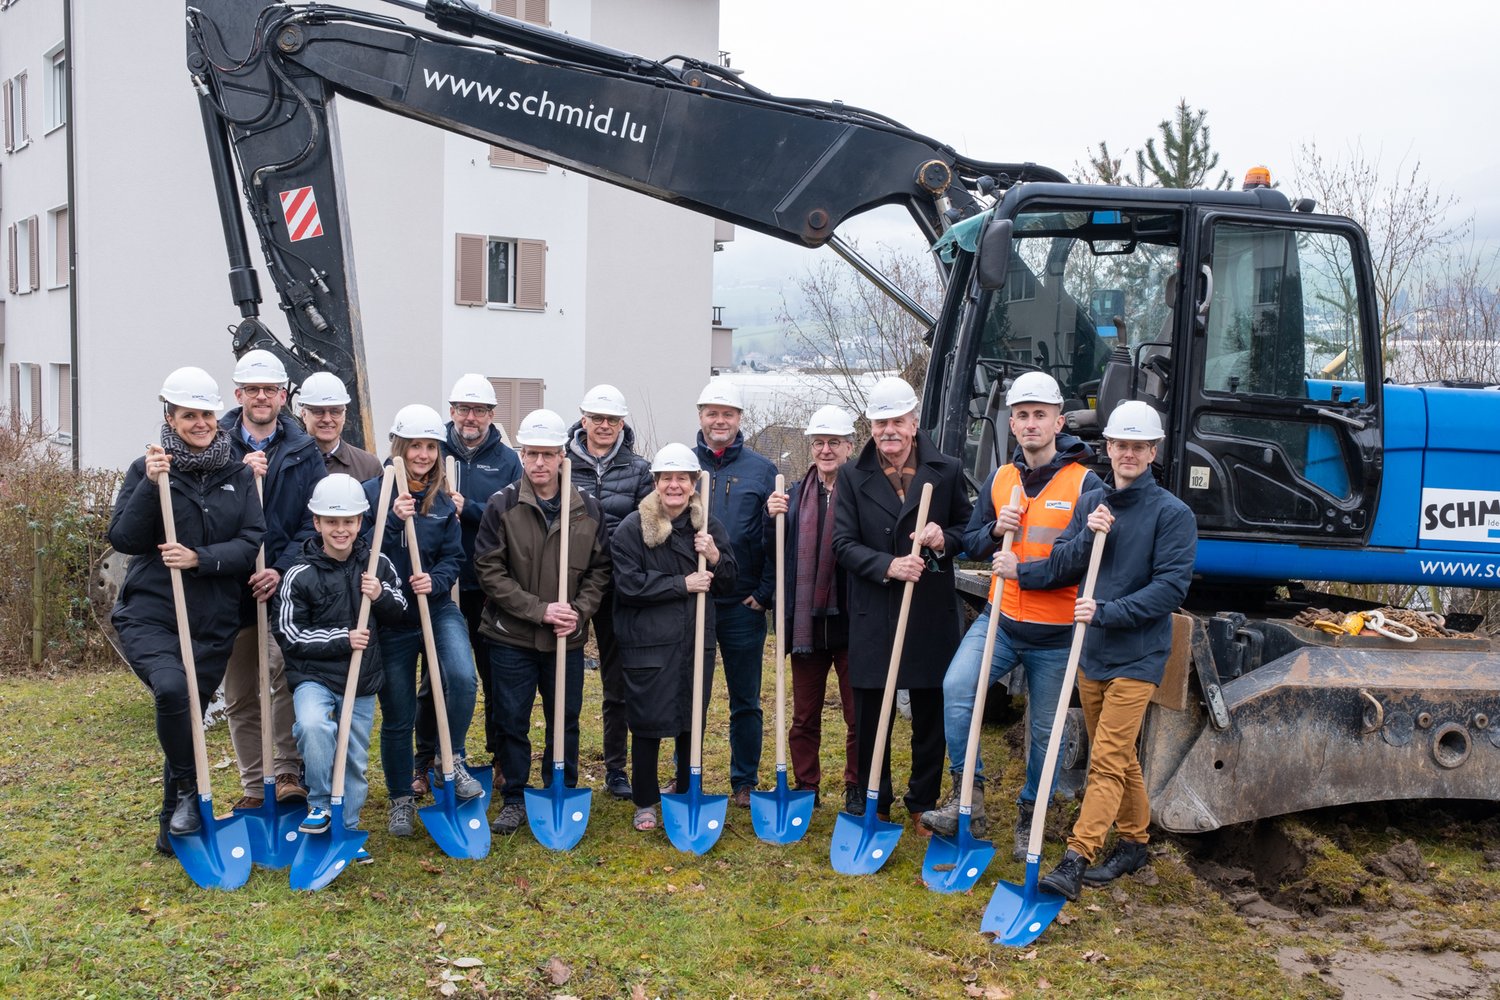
x=1128, y=856
x=1067, y=878
x=1023, y=830
x=185, y=818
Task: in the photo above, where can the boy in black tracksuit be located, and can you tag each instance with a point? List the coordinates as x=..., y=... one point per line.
x=313, y=616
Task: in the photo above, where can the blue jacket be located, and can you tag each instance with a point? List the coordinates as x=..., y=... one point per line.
x=1147, y=567
x=492, y=467
x=740, y=482
x=439, y=543
x=293, y=467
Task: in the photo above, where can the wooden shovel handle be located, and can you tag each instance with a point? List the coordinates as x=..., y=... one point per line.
x=695, y=753
x=560, y=683
x=450, y=470
x=351, y=685
x=888, y=700
x=779, y=623
x=429, y=645
x=185, y=642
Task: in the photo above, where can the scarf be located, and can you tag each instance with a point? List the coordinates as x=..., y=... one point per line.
x=210, y=459
x=901, y=477
x=815, y=595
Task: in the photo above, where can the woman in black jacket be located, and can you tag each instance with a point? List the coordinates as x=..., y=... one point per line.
x=219, y=529
x=656, y=549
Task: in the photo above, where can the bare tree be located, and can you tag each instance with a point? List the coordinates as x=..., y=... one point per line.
x=1406, y=219
x=848, y=327
x=1453, y=325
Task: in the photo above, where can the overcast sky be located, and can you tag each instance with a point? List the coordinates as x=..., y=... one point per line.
x=1045, y=82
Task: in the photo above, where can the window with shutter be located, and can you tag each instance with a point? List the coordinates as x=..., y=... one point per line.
x=10, y=124
x=529, y=394
x=24, y=132
x=516, y=397
x=502, y=157
x=34, y=256
x=10, y=258
x=60, y=247
x=510, y=8
x=468, y=270
x=36, y=394
x=537, y=12
x=64, y=395
x=531, y=274
x=13, y=401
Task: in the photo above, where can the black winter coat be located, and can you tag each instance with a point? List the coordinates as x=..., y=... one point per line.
x=316, y=606
x=871, y=528
x=1143, y=578
x=293, y=467
x=218, y=516
x=655, y=615
x=830, y=632
x=491, y=467
x=619, y=481
x=740, y=482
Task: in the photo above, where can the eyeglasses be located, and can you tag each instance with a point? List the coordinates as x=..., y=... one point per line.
x=268, y=391
x=320, y=412
x=827, y=444
x=466, y=410
x=600, y=418
x=527, y=455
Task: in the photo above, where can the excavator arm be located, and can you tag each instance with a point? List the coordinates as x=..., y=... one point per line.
x=682, y=131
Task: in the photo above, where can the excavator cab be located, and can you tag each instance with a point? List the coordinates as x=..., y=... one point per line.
x=1248, y=326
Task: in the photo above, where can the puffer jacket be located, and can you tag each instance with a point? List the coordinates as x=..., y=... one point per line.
x=1143, y=578
x=439, y=544
x=218, y=516
x=316, y=606
x=516, y=558
x=619, y=480
x=293, y=467
x=740, y=482
x=485, y=471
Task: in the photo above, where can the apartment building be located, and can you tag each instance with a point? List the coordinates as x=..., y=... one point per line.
x=467, y=257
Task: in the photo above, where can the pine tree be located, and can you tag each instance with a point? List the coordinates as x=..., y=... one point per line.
x=1186, y=157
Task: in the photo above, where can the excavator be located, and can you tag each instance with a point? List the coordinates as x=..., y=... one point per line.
x=1246, y=319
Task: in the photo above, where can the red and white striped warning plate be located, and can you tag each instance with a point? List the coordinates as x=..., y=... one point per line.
x=300, y=207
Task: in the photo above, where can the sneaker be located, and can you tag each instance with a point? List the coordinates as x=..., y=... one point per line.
x=185, y=817
x=944, y=819
x=465, y=785
x=512, y=817
x=248, y=803
x=289, y=786
x=1066, y=879
x=1128, y=856
x=617, y=784
x=316, y=821
x=403, y=817
x=362, y=857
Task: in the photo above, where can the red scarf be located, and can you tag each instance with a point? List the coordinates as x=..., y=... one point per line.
x=816, y=595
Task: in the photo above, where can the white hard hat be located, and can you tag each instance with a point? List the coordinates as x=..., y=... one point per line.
x=259, y=367
x=472, y=389
x=721, y=392
x=891, y=397
x=322, y=389
x=1134, y=420
x=676, y=457
x=829, y=420
x=605, y=400
x=193, y=388
x=1034, y=387
x=418, y=421
x=338, y=495
x=542, y=429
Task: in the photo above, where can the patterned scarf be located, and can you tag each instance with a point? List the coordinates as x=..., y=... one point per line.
x=210, y=459
x=900, y=477
x=815, y=593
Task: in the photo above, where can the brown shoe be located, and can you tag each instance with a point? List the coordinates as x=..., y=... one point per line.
x=741, y=797
x=289, y=787
x=419, y=786
x=248, y=802
x=916, y=824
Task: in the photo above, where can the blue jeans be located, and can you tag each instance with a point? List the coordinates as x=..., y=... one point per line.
x=398, y=695
x=316, y=730
x=515, y=677
x=741, y=634
x=1044, y=674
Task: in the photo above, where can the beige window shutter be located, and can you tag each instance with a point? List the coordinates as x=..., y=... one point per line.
x=529, y=394
x=502, y=157
x=65, y=399
x=10, y=256
x=537, y=12
x=25, y=125
x=60, y=243
x=531, y=274
x=36, y=394
x=468, y=270
x=15, y=394
x=505, y=403
x=35, y=253
x=10, y=126
x=531, y=163
x=510, y=8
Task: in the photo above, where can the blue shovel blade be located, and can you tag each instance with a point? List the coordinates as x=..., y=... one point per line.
x=694, y=821
x=461, y=829
x=274, y=837
x=322, y=857
x=218, y=855
x=558, y=815
x=782, y=816
x=954, y=864
x=1018, y=914
x=862, y=844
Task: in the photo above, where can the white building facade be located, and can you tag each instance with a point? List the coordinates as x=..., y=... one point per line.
x=601, y=284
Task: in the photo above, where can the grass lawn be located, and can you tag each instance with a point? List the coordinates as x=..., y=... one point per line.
x=89, y=910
